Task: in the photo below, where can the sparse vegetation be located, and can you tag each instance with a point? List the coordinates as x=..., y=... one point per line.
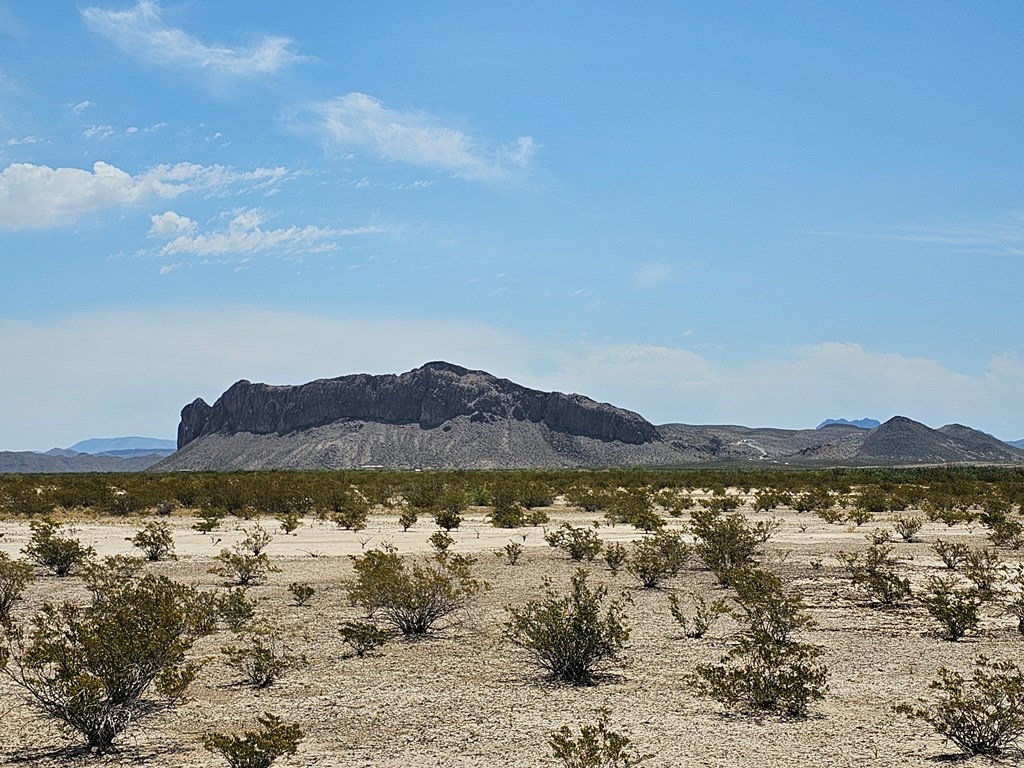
x=571, y=635
x=578, y=543
x=596, y=746
x=259, y=748
x=155, y=540
x=363, y=636
x=48, y=547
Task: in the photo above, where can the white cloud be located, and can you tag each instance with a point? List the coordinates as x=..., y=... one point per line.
x=245, y=235
x=81, y=106
x=360, y=122
x=141, y=31
x=99, y=132
x=24, y=140
x=39, y=197
x=653, y=274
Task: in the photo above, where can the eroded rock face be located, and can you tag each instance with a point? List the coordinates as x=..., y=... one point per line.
x=429, y=396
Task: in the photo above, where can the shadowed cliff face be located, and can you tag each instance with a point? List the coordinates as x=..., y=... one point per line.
x=428, y=396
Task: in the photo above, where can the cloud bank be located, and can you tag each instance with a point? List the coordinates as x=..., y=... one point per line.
x=178, y=354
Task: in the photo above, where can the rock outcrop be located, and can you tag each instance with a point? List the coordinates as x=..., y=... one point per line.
x=429, y=396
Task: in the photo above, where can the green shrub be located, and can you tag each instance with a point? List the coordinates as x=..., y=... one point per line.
x=440, y=542
x=100, y=668
x=508, y=514
x=289, y=521
x=261, y=660
x=408, y=516
x=956, y=607
x=615, y=555
x=62, y=555
x=1016, y=605
x=950, y=552
x=14, y=577
x=595, y=747
x=727, y=543
x=155, y=540
x=241, y=567
x=982, y=716
x=256, y=749
x=349, y=509
x=511, y=552
x=234, y=609
x=578, y=543
x=414, y=598
x=209, y=519
x=766, y=670
x=301, y=592
x=875, y=572
x=111, y=572
x=705, y=614
x=984, y=568
x=570, y=635
x=362, y=636
x=907, y=526
x=655, y=558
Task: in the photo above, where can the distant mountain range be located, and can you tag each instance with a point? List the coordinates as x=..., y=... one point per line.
x=98, y=454
x=443, y=415
x=861, y=423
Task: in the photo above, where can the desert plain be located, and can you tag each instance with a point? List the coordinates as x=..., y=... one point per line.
x=465, y=696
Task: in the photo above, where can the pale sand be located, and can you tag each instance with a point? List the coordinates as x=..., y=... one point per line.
x=464, y=697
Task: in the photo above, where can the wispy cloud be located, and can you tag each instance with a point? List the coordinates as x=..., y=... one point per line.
x=40, y=197
x=81, y=106
x=244, y=235
x=1004, y=236
x=142, y=32
x=16, y=142
x=357, y=122
x=653, y=274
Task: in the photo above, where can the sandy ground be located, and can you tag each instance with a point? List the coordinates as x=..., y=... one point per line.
x=465, y=697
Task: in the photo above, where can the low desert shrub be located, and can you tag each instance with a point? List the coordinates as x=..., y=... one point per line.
x=907, y=526
x=363, y=636
x=61, y=554
x=952, y=553
x=875, y=572
x=408, y=516
x=235, y=609
x=241, y=567
x=655, y=558
x=766, y=670
x=100, y=668
x=727, y=543
x=955, y=606
x=596, y=746
x=983, y=715
x=440, y=542
x=985, y=569
x=412, y=598
x=302, y=592
x=578, y=543
x=570, y=635
x=155, y=540
x=703, y=616
x=259, y=748
x=14, y=577
x=261, y=659
x=508, y=514
x=289, y=521
x=511, y=552
x=615, y=555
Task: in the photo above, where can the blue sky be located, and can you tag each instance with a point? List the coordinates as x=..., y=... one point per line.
x=756, y=213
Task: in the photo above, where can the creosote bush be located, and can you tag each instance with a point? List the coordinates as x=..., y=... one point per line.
x=155, y=540
x=727, y=543
x=954, y=605
x=259, y=748
x=705, y=614
x=302, y=592
x=983, y=715
x=655, y=558
x=363, y=636
x=413, y=598
x=570, y=635
x=596, y=746
x=99, y=668
x=952, y=553
x=14, y=577
x=262, y=659
x=876, y=574
x=578, y=543
x=60, y=554
x=767, y=670
x=615, y=555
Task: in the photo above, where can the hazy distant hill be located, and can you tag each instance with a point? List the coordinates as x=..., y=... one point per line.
x=29, y=461
x=861, y=423
x=118, y=445
x=442, y=415
x=1016, y=443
